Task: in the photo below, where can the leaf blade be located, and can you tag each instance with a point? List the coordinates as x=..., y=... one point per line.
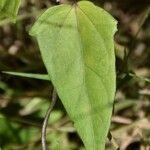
x=29, y=75
x=9, y=8
x=79, y=55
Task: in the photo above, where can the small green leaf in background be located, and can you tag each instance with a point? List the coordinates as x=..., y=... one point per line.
x=77, y=47
x=29, y=75
x=9, y=8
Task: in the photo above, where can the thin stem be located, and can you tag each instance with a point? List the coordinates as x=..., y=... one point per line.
x=45, y=122
x=143, y=20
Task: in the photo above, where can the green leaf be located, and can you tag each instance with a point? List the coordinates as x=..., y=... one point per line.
x=29, y=75
x=9, y=8
x=77, y=47
x=139, y=77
